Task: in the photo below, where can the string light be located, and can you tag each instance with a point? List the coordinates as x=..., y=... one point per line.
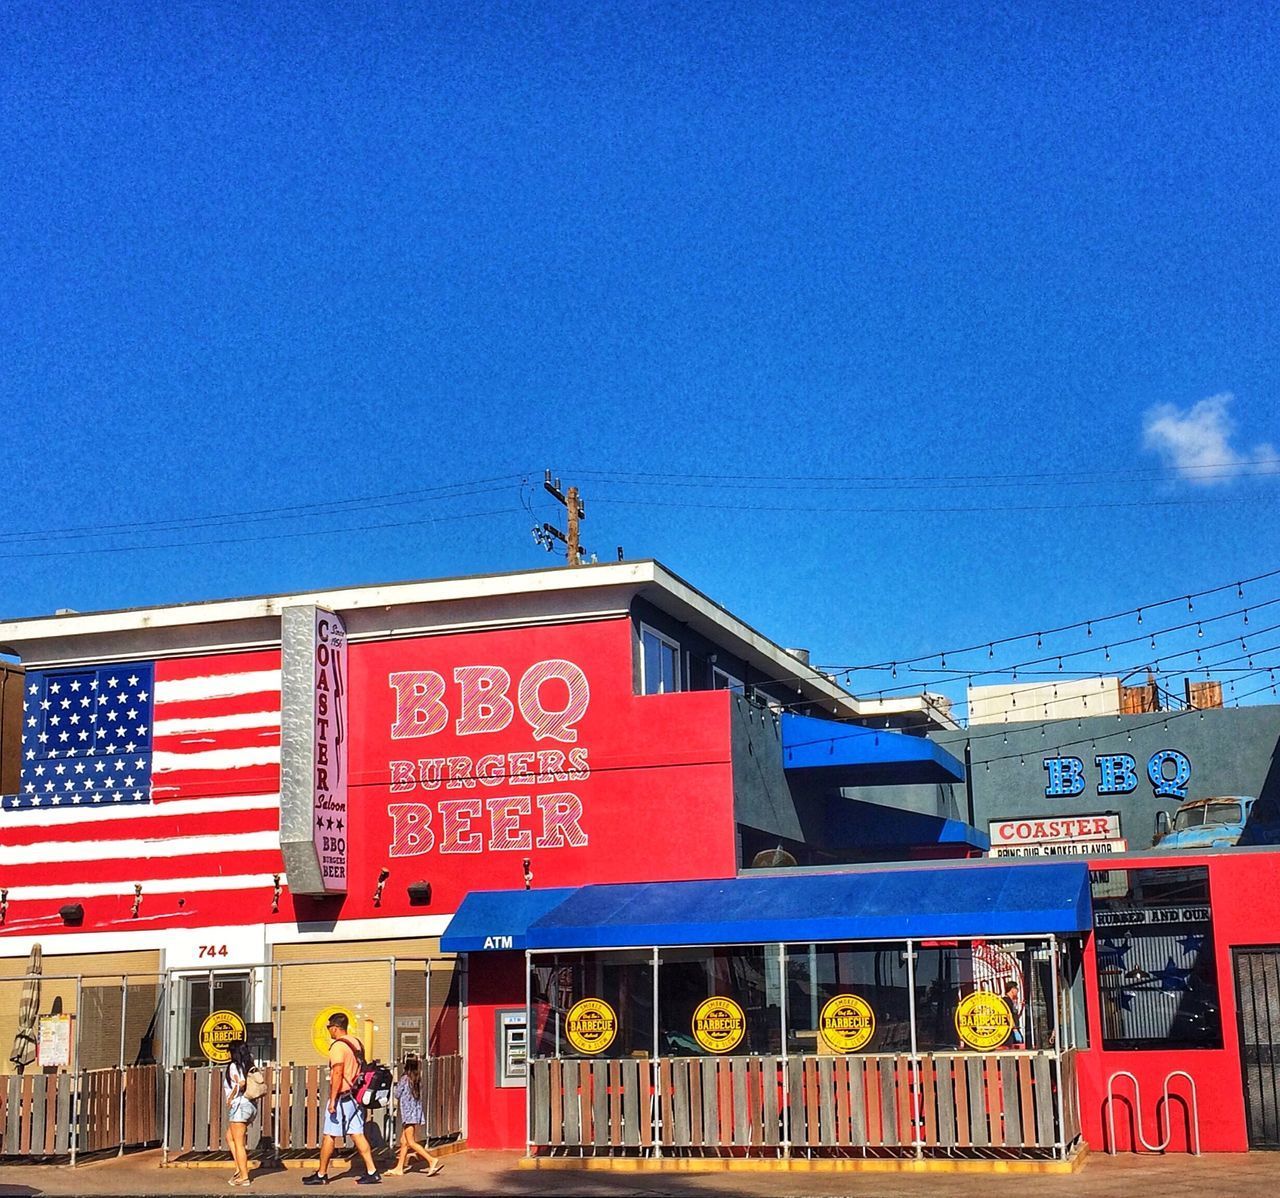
x=1138, y=612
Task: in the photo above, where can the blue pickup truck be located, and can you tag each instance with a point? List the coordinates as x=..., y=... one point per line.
x=1218, y=823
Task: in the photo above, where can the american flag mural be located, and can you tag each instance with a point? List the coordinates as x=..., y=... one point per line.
x=164, y=774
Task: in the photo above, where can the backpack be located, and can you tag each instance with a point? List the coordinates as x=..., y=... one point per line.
x=371, y=1086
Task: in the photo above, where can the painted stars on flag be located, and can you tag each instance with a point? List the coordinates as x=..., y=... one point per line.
x=86, y=737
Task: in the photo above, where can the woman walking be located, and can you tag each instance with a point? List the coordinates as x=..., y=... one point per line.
x=241, y=1110
x=409, y=1100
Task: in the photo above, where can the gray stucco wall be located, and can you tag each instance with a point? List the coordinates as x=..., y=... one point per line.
x=1230, y=751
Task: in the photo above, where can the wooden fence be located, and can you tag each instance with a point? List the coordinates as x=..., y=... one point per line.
x=291, y=1113
x=93, y=1111
x=934, y=1104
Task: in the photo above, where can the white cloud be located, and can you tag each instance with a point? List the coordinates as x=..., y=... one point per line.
x=1197, y=441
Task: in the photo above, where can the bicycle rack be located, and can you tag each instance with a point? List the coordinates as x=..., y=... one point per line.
x=1137, y=1113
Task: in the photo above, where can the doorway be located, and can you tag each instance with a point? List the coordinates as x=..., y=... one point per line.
x=1258, y=1002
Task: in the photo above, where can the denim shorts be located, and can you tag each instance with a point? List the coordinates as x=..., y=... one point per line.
x=243, y=1110
x=347, y=1120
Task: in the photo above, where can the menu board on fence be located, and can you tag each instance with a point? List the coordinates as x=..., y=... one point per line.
x=53, y=1048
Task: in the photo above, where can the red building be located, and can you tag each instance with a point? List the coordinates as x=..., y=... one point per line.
x=249, y=813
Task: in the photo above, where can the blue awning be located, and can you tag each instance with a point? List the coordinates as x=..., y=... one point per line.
x=489, y=920
x=892, y=904
x=856, y=823
x=855, y=756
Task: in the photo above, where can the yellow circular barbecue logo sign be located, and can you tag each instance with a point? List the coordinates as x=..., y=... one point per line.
x=320, y=1026
x=847, y=1023
x=216, y=1034
x=719, y=1024
x=591, y=1025
x=983, y=1021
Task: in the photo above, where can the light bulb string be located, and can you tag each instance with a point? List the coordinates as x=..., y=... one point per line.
x=1163, y=718
x=1185, y=597
x=1071, y=655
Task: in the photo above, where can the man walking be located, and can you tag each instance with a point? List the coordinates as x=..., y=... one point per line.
x=343, y=1116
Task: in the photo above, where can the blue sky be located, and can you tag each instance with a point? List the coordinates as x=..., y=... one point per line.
x=963, y=323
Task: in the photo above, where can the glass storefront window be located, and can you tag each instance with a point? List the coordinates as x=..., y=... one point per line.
x=1157, y=981
x=832, y=999
x=1073, y=1019
x=714, y=1001
x=826, y=987
x=950, y=973
x=592, y=1005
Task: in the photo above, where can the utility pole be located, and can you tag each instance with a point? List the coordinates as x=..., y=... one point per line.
x=575, y=512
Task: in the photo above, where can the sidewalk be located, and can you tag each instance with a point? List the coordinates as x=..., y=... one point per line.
x=475, y=1173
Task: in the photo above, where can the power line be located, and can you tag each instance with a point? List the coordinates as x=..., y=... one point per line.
x=257, y=515
x=937, y=510
x=275, y=536
x=748, y=482
x=1126, y=472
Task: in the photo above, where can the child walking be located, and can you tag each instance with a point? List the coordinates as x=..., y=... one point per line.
x=409, y=1100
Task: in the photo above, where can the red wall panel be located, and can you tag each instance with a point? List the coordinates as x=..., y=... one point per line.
x=616, y=787
x=1244, y=889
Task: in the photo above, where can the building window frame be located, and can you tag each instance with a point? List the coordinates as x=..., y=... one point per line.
x=677, y=659
x=722, y=680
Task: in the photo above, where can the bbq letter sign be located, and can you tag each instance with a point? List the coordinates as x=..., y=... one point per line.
x=313, y=750
x=513, y=801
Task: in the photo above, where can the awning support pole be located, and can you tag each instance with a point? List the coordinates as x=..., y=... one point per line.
x=657, y=1065
x=1060, y=1134
x=76, y=1075
x=396, y=1064
x=915, y=1056
x=124, y=1010
x=786, y=1068
x=529, y=1046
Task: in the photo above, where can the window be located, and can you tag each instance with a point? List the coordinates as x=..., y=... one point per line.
x=206, y=994
x=659, y=663
x=1218, y=811
x=1019, y=971
x=620, y=982
x=722, y=680
x=1157, y=982
x=820, y=974
x=694, y=1018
